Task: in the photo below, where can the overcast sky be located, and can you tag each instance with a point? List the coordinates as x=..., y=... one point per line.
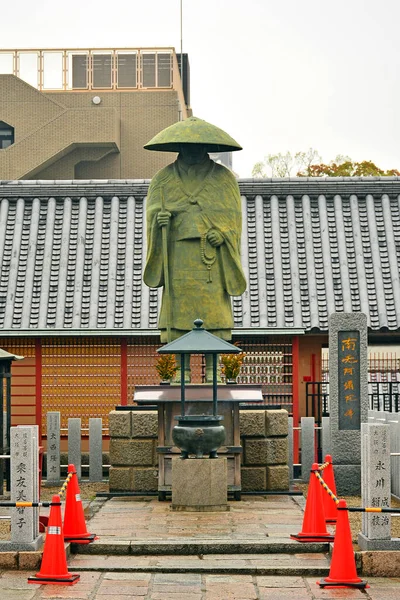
x=277, y=76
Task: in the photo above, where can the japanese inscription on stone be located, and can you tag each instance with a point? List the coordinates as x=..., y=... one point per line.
x=377, y=489
x=349, y=379
x=53, y=448
x=22, y=483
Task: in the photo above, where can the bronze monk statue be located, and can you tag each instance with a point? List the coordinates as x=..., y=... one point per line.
x=194, y=216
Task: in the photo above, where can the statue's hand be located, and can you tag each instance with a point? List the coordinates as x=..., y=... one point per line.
x=163, y=218
x=215, y=238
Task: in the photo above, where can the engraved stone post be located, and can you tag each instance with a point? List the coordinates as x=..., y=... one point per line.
x=326, y=437
x=35, y=462
x=307, y=447
x=74, y=445
x=348, y=391
x=95, y=450
x=24, y=488
x=376, y=534
x=53, y=448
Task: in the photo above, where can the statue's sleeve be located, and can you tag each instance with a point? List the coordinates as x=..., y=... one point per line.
x=153, y=273
x=225, y=214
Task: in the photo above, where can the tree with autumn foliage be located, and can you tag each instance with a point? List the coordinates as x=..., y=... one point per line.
x=309, y=164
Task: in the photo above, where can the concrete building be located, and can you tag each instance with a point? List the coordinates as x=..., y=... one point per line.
x=86, y=114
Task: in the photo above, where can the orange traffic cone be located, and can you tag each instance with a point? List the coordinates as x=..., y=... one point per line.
x=329, y=503
x=74, y=520
x=343, y=565
x=54, y=562
x=314, y=528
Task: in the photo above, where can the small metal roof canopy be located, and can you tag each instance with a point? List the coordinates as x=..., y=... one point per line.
x=199, y=341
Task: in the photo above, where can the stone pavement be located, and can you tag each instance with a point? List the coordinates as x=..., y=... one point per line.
x=145, y=519
x=189, y=586
x=146, y=551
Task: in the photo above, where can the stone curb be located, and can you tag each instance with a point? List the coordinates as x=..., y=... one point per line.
x=196, y=547
x=211, y=569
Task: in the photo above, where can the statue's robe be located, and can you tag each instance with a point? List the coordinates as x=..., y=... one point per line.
x=200, y=198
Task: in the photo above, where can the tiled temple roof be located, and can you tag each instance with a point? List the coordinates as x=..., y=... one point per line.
x=72, y=254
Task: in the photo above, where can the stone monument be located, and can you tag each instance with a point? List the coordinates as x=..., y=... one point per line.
x=376, y=488
x=194, y=223
x=348, y=394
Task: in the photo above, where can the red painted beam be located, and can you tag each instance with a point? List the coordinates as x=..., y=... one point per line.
x=124, y=371
x=38, y=373
x=295, y=394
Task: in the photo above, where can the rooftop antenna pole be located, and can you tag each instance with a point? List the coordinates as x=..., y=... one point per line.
x=181, y=12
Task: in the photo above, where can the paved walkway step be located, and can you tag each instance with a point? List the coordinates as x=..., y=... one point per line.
x=196, y=546
x=306, y=564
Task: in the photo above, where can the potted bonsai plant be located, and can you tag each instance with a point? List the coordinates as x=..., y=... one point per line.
x=231, y=364
x=166, y=367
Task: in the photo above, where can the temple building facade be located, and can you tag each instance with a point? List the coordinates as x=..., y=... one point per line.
x=73, y=301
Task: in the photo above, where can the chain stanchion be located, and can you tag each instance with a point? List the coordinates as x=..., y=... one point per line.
x=367, y=509
x=326, y=488
x=323, y=466
x=66, y=482
x=28, y=504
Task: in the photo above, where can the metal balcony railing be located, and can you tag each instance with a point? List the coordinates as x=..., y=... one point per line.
x=90, y=69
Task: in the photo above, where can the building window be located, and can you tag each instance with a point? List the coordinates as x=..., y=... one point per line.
x=102, y=70
x=6, y=135
x=156, y=69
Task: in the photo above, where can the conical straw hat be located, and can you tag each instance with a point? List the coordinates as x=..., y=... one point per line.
x=192, y=131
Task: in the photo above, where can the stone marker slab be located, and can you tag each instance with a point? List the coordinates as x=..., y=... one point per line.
x=376, y=492
x=307, y=447
x=53, y=448
x=95, y=449
x=24, y=488
x=326, y=437
x=348, y=396
x=74, y=445
x=199, y=484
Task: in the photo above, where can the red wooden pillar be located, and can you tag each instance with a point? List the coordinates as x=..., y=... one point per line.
x=295, y=395
x=124, y=371
x=38, y=379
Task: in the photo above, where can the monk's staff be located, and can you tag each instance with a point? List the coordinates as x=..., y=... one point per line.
x=166, y=271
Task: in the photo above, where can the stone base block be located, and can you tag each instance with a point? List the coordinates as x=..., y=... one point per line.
x=144, y=424
x=276, y=422
x=379, y=564
x=278, y=478
x=121, y=479
x=199, y=484
x=37, y=544
x=29, y=561
x=120, y=424
x=347, y=479
x=367, y=544
x=252, y=423
x=132, y=452
x=253, y=479
x=145, y=479
x=268, y=451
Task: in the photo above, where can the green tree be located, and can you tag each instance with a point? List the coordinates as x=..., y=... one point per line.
x=284, y=165
x=309, y=164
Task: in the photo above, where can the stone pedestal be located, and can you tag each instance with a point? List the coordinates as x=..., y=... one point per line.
x=199, y=484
